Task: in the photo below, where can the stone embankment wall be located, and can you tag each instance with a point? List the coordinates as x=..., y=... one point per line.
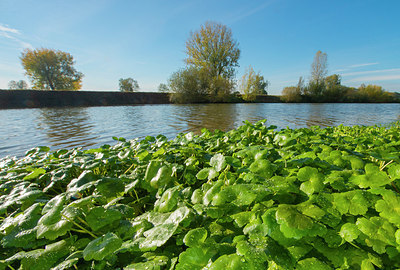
x=39, y=99
x=14, y=99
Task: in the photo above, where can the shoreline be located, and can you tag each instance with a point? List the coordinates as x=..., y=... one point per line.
x=21, y=99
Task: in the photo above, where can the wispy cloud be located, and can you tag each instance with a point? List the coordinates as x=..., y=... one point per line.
x=250, y=12
x=363, y=65
x=13, y=34
x=371, y=72
x=355, y=66
x=6, y=29
x=376, y=78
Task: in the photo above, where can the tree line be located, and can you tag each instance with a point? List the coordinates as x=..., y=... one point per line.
x=323, y=88
x=209, y=75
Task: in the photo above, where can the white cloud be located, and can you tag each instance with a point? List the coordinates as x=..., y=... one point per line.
x=371, y=72
x=245, y=14
x=363, y=65
x=6, y=29
x=348, y=68
x=10, y=33
x=376, y=78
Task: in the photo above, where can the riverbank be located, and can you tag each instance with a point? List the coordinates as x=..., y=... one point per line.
x=18, y=99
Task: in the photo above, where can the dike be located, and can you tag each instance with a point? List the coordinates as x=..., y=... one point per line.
x=14, y=99
x=19, y=99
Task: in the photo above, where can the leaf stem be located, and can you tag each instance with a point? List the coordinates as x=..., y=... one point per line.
x=386, y=165
x=133, y=164
x=84, y=222
x=79, y=226
x=394, y=186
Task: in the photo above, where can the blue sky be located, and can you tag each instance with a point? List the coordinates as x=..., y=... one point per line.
x=145, y=40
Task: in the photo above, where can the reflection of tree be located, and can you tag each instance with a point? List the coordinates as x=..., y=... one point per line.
x=66, y=127
x=318, y=115
x=210, y=116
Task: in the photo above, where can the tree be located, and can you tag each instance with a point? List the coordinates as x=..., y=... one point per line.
x=372, y=93
x=291, y=94
x=51, y=69
x=334, y=91
x=300, y=86
x=213, y=50
x=319, y=67
x=316, y=86
x=253, y=84
x=188, y=85
x=20, y=85
x=163, y=88
x=128, y=85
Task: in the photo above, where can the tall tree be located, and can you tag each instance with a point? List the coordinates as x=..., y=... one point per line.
x=316, y=86
x=17, y=85
x=51, y=69
x=128, y=85
x=213, y=50
x=319, y=67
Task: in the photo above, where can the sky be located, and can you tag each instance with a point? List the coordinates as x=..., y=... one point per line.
x=145, y=40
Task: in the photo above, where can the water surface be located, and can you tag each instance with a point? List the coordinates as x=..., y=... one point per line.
x=57, y=128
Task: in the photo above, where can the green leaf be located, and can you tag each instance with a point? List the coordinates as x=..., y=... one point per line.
x=195, y=258
x=312, y=180
x=373, y=177
x=218, y=162
x=110, y=187
x=101, y=247
x=207, y=173
x=100, y=217
x=255, y=255
x=152, y=169
x=356, y=163
x=353, y=202
x=69, y=262
x=380, y=233
x=389, y=207
x=195, y=237
x=156, y=263
x=349, y=232
x=168, y=200
x=42, y=259
x=20, y=231
x=263, y=167
x=55, y=221
x=306, y=173
x=85, y=180
x=232, y=261
x=296, y=225
x=162, y=178
x=241, y=194
x=34, y=174
x=158, y=235
x=397, y=235
x=243, y=218
x=209, y=195
x=312, y=264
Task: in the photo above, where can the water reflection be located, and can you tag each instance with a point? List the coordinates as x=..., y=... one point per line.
x=317, y=116
x=209, y=116
x=66, y=127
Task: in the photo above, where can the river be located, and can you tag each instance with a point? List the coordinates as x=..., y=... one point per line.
x=89, y=127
